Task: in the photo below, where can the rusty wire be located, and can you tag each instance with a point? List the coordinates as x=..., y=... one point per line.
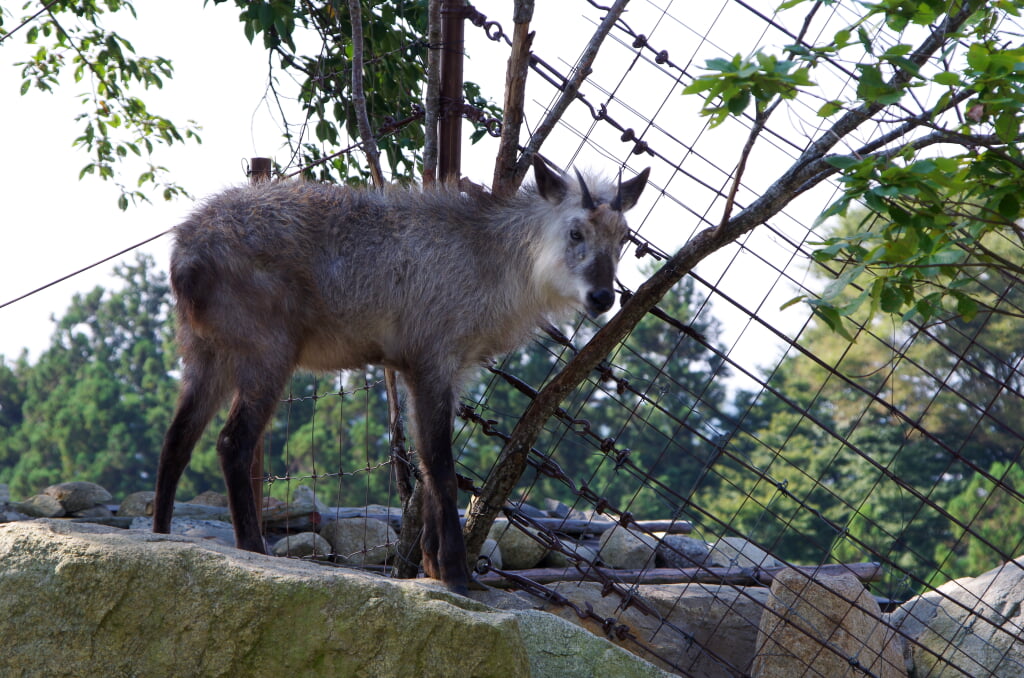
x=571, y=422
x=602, y=438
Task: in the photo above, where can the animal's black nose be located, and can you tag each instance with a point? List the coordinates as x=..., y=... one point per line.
x=600, y=300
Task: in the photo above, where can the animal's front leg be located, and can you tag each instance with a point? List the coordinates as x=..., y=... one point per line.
x=444, y=550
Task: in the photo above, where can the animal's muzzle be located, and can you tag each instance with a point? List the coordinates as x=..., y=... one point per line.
x=599, y=301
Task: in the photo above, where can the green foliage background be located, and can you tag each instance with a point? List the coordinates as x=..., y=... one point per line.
x=906, y=448
x=810, y=467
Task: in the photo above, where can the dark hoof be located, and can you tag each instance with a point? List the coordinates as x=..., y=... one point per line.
x=461, y=587
x=476, y=585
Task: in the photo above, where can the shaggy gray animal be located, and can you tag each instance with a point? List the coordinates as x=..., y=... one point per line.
x=430, y=282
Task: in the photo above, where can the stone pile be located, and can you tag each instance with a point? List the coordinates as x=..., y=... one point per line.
x=810, y=622
x=366, y=536
x=76, y=499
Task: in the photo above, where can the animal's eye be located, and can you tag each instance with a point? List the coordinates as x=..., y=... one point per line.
x=575, y=234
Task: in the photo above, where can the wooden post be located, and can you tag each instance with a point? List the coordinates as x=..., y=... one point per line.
x=449, y=153
x=259, y=172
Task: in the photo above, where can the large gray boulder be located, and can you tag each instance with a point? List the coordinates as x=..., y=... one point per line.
x=519, y=551
x=678, y=550
x=627, y=549
x=824, y=626
x=303, y=545
x=736, y=552
x=971, y=626
x=360, y=541
x=78, y=495
x=41, y=506
x=87, y=600
x=705, y=630
x=137, y=504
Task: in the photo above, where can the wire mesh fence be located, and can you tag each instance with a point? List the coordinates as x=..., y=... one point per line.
x=732, y=440
x=728, y=419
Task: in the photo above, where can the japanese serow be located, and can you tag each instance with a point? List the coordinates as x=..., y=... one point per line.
x=428, y=281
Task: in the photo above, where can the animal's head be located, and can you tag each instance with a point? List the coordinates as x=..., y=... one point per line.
x=588, y=237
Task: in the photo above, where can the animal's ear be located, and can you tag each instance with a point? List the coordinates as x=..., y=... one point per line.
x=550, y=185
x=630, y=191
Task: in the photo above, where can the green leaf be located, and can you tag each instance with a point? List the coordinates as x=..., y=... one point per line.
x=836, y=287
x=853, y=305
x=739, y=103
x=948, y=78
x=1007, y=126
x=843, y=161
x=899, y=215
x=978, y=56
x=890, y=300
x=865, y=39
x=834, y=321
x=907, y=65
x=871, y=88
x=830, y=108
x=966, y=307
x=723, y=65
x=791, y=302
x=829, y=252
x=948, y=165
x=1009, y=207
x=701, y=84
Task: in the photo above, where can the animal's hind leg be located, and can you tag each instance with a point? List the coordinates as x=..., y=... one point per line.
x=202, y=391
x=444, y=550
x=258, y=391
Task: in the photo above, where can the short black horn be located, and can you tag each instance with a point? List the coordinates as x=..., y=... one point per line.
x=588, y=202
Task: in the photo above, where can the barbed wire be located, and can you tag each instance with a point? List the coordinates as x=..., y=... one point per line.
x=734, y=454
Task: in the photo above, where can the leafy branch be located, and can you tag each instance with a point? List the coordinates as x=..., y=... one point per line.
x=116, y=124
x=729, y=90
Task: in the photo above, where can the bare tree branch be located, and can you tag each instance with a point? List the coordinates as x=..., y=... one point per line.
x=432, y=104
x=569, y=90
x=741, y=166
x=359, y=96
x=515, y=92
x=807, y=171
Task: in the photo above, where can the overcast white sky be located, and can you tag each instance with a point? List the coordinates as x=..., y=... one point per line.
x=53, y=224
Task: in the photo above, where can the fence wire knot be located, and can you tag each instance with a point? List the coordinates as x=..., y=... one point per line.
x=621, y=457
x=492, y=29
